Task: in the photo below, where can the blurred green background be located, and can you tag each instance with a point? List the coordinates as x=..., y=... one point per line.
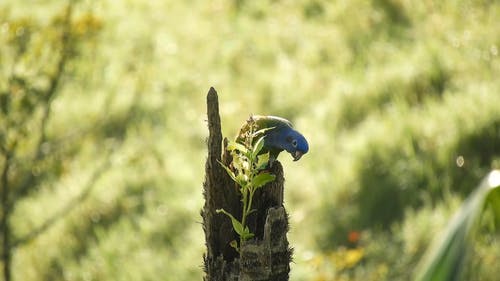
x=102, y=128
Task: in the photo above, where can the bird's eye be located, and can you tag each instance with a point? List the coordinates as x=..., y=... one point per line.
x=294, y=143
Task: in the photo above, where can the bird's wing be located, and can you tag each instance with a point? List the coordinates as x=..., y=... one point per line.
x=263, y=122
x=271, y=121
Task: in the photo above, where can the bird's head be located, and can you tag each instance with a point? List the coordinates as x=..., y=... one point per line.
x=290, y=140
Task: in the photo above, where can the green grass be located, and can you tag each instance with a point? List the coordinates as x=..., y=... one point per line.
x=390, y=95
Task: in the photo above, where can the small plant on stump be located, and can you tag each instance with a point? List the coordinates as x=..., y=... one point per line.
x=248, y=170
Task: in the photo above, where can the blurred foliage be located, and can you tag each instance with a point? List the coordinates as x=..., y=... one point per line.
x=398, y=99
x=449, y=252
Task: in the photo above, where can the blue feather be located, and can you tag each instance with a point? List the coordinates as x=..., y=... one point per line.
x=281, y=137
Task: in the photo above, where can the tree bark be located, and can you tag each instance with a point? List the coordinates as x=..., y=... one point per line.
x=4, y=220
x=266, y=256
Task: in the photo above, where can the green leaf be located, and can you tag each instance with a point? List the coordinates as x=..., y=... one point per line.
x=262, y=131
x=262, y=161
x=258, y=147
x=447, y=254
x=234, y=245
x=262, y=179
x=493, y=202
x=229, y=172
x=240, y=163
x=241, y=180
x=238, y=227
x=251, y=211
x=247, y=234
x=237, y=146
x=237, y=163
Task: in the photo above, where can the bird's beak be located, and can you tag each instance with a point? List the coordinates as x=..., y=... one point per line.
x=297, y=155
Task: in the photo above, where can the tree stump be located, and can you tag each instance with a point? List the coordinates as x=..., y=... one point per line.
x=267, y=256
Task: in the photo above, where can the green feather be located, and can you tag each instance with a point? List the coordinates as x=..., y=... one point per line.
x=262, y=122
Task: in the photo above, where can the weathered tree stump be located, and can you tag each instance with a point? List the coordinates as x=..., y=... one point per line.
x=266, y=256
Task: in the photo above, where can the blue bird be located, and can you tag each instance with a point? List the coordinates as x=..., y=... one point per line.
x=280, y=136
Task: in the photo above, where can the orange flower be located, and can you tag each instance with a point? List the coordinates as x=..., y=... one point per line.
x=353, y=236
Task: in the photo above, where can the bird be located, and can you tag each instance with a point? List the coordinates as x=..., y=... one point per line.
x=280, y=136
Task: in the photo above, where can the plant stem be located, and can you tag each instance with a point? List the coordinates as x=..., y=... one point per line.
x=249, y=207
x=244, y=214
